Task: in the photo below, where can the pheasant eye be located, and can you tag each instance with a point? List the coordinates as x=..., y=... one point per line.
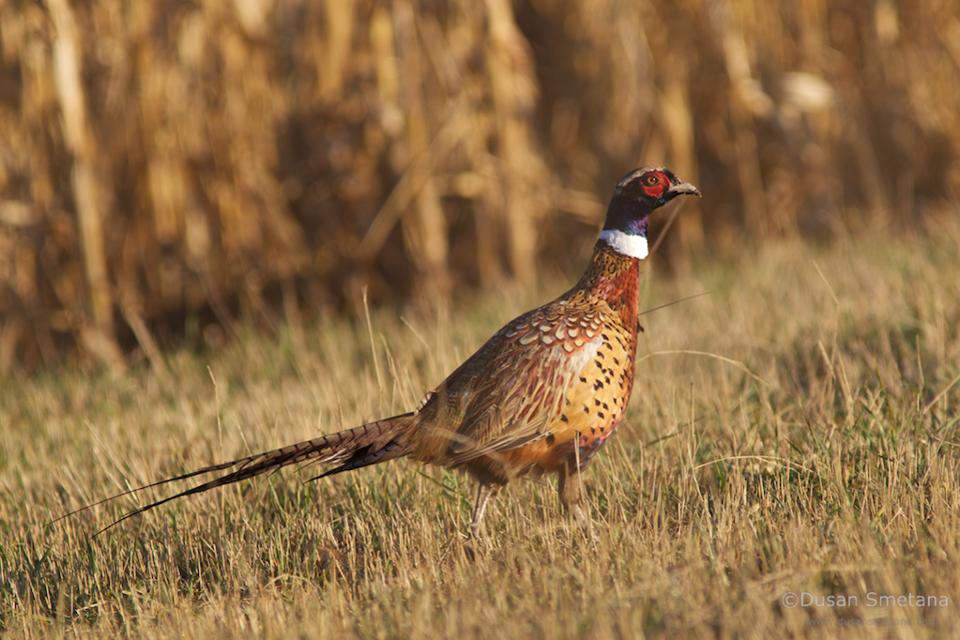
x=651, y=180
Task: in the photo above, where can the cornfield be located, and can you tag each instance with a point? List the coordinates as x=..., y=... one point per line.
x=216, y=158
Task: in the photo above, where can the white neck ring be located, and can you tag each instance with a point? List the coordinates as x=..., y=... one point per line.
x=628, y=245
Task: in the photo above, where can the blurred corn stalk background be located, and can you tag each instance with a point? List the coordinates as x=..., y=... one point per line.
x=167, y=159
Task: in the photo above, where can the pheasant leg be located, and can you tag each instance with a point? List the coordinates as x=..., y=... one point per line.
x=484, y=493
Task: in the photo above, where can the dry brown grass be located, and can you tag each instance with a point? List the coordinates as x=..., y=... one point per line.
x=793, y=431
x=234, y=157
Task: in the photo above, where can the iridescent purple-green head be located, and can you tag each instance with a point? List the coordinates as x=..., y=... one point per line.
x=636, y=196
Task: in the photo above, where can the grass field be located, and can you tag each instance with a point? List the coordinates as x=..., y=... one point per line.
x=792, y=432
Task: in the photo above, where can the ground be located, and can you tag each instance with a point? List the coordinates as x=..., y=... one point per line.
x=792, y=436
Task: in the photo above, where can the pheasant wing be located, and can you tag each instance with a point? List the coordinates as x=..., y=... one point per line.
x=509, y=392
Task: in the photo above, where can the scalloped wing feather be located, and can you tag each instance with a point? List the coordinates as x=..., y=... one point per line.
x=508, y=392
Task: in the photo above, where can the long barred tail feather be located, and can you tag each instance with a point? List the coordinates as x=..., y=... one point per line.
x=366, y=457
x=183, y=476
x=361, y=446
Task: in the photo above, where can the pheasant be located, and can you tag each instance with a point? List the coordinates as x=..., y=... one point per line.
x=540, y=396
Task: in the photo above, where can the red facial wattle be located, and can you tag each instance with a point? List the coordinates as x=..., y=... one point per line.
x=656, y=189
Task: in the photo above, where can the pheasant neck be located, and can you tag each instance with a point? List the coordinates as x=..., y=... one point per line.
x=615, y=278
x=629, y=244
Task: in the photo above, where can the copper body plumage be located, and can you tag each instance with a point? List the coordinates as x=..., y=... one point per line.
x=545, y=392
x=542, y=395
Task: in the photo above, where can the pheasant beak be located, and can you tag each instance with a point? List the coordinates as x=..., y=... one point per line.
x=684, y=189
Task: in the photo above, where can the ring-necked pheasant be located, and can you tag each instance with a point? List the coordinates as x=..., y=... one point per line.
x=542, y=395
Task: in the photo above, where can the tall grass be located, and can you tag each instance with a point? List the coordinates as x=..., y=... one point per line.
x=795, y=430
x=216, y=158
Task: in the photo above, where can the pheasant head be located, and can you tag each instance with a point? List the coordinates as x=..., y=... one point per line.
x=636, y=196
